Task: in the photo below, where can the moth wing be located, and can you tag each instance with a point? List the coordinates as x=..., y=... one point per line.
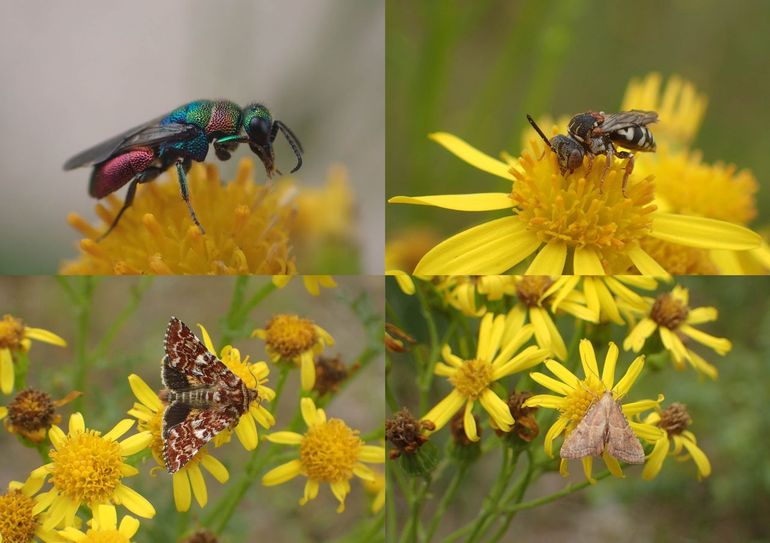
x=587, y=439
x=147, y=134
x=625, y=119
x=622, y=443
x=182, y=441
x=186, y=354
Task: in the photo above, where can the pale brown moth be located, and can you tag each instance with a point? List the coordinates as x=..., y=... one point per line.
x=604, y=427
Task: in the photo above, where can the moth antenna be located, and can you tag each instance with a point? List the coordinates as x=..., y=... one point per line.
x=542, y=135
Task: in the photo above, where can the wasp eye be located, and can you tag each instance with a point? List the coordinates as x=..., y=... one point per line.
x=259, y=130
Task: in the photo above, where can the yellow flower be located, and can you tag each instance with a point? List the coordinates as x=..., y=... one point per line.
x=292, y=338
x=18, y=520
x=32, y=413
x=577, y=396
x=104, y=528
x=685, y=184
x=673, y=318
x=247, y=229
x=461, y=292
x=610, y=296
x=149, y=414
x=535, y=294
x=499, y=338
x=574, y=225
x=87, y=468
x=675, y=440
x=329, y=452
x=313, y=283
x=404, y=280
x=403, y=250
x=15, y=337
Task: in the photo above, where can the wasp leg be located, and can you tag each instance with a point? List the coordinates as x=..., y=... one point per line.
x=181, y=165
x=629, y=168
x=145, y=177
x=607, y=164
x=590, y=164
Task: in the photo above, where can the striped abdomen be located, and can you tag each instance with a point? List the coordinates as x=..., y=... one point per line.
x=636, y=138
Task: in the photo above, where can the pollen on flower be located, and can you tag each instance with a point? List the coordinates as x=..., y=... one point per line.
x=31, y=413
x=472, y=378
x=530, y=288
x=329, y=451
x=248, y=228
x=87, y=467
x=11, y=332
x=579, y=209
x=675, y=419
x=290, y=335
x=669, y=311
x=580, y=400
x=17, y=523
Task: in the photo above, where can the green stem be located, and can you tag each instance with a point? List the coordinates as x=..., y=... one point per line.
x=569, y=489
x=83, y=319
x=137, y=292
x=446, y=499
x=517, y=495
x=491, y=503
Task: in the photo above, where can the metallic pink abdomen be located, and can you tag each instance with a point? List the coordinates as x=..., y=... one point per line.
x=109, y=176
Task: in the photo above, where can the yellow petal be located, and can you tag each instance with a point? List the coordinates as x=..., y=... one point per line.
x=550, y=383
x=144, y=393
x=586, y=262
x=372, y=454
x=134, y=502
x=309, y=412
x=699, y=457
x=198, y=485
x=246, y=430
x=469, y=423
x=444, y=410
x=307, y=371
x=215, y=468
x=549, y=401
x=655, y=459
x=45, y=336
x=562, y=373
x=608, y=371
x=6, y=371
x=135, y=443
x=182, y=495
x=57, y=436
x=497, y=409
x=472, y=156
x=720, y=345
x=627, y=381
x=311, y=491
x=588, y=358
x=77, y=424
x=119, y=429
x=489, y=248
x=128, y=527
x=549, y=260
x=645, y=263
x=480, y=201
x=555, y=430
x=340, y=489
x=106, y=517
x=703, y=233
x=281, y=474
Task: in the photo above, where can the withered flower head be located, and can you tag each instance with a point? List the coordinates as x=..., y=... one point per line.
x=457, y=427
x=32, y=412
x=395, y=338
x=525, y=426
x=405, y=433
x=201, y=536
x=330, y=372
x=675, y=419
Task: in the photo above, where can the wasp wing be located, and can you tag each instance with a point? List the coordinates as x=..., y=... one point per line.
x=625, y=119
x=147, y=134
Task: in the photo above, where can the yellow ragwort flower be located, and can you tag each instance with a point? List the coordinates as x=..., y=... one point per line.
x=536, y=294
x=685, y=184
x=575, y=224
x=247, y=229
x=472, y=380
x=611, y=298
x=104, y=528
x=329, y=452
x=148, y=412
x=670, y=315
x=294, y=339
x=313, y=283
x=19, y=523
x=675, y=440
x=462, y=292
x=404, y=249
x=87, y=468
x=404, y=280
x=376, y=489
x=577, y=395
x=15, y=338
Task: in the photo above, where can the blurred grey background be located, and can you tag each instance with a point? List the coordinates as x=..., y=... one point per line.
x=76, y=73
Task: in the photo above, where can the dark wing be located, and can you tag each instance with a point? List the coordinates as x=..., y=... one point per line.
x=187, y=355
x=186, y=430
x=148, y=134
x=625, y=119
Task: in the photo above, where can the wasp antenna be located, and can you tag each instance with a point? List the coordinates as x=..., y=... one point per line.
x=537, y=129
x=293, y=141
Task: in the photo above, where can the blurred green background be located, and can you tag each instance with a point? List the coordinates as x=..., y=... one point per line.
x=351, y=313
x=475, y=69
x=730, y=422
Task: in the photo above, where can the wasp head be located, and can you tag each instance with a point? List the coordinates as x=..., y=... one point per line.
x=258, y=125
x=569, y=152
x=582, y=125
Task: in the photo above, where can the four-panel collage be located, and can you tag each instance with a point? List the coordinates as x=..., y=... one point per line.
x=384, y=271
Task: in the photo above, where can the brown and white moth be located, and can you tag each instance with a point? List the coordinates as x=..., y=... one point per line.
x=204, y=396
x=604, y=427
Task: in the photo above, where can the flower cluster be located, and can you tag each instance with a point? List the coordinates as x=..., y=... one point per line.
x=591, y=222
x=521, y=325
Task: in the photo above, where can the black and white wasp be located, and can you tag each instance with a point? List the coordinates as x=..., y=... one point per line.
x=597, y=133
